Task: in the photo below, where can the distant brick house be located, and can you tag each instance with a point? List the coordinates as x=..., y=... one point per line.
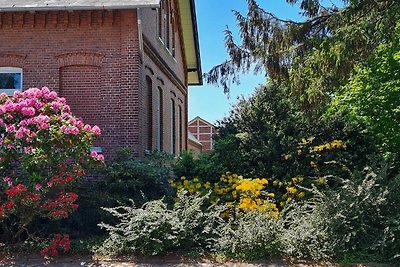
x=124, y=65
x=204, y=132
x=194, y=145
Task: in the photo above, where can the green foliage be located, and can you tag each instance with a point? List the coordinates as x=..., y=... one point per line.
x=124, y=178
x=185, y=165
x=315, y=55
x=154, y=229
x=359, y=217
x=84, y=246
x=128, y=177
x=261, y=130
x=306, y=232
x=372, y=97
x=206, y=165
x=356, y=218
x=257, y=133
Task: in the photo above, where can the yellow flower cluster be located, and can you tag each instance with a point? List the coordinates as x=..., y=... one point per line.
x=248, y=204
x=245, y=194
x=320, y=181
x=254, y=197
x=191, y=186
x=306, y=146
x=330, y=145
x=253, y=186
x=307, y=141
x=292, y=192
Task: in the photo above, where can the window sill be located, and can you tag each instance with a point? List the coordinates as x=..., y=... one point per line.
x=9, y=92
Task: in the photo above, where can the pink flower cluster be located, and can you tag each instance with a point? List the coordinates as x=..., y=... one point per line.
x=26, y=114
x=44, y=150
x=97, y=156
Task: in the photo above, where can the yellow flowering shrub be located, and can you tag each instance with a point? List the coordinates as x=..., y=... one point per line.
x=312, y=157
x=245, y=194
x=264, y=195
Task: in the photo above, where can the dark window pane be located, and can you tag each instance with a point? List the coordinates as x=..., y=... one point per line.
x=10, y=81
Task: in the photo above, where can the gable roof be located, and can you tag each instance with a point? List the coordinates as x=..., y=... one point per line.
x=47, y=5
x=197, y=118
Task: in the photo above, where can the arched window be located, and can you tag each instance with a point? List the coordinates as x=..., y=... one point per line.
x=159, y=120
x=180, y=129
x=173, y=128
x=149, y=85
x=10, y=80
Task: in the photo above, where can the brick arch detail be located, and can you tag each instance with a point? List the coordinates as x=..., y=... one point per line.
x=12, y=60
x=79, y=58
x=149, y=70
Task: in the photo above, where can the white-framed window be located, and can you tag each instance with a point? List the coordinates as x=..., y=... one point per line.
x=10, y=80
x=165, y=26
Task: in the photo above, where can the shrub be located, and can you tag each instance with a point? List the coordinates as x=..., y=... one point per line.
x=44, y=151
x=261, y=129
x=357, y=214
x=358, y=217
x=127, y=177
x=123, y=178
x=354, y=218
x=250, y=236
x=154, y=228
x=206, y=165
x=306, y=232
x=247, y=195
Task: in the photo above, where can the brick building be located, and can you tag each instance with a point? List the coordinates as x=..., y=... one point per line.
x=194, y=145
x=124, y=65
x=203, y=131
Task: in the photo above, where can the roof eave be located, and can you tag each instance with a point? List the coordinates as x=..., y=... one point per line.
x=196, y=43
x=71, y=8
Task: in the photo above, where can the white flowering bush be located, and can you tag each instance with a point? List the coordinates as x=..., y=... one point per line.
x=351, y=219
x=154, y=228
x=253, y=235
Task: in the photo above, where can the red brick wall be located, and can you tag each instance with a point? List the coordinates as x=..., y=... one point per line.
x=90, y=57
x=80, y=84
x=204, y=132
x=93, y=59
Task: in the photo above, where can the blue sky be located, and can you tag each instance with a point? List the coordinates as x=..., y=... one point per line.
x=208, y=101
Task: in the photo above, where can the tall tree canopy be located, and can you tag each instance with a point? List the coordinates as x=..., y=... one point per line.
x=372, y=96
x=260, y=130
x=314, y=56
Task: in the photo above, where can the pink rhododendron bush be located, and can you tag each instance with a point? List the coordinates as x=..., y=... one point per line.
x=44, y=151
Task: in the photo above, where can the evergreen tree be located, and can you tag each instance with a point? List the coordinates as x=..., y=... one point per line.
x=315, y=56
